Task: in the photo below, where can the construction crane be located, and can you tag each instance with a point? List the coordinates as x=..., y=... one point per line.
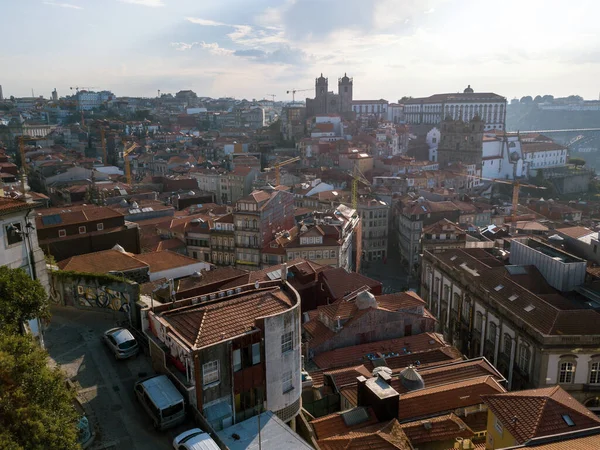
x=22, y=140
x=516, y=184
x=273, y=97
x=126, y=152
x=278, y=165
x=293, y=91
x=77, y=88
x=357, y=177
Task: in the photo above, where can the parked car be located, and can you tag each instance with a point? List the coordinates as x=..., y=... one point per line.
x=194, y=439
x=121, y=342
x=161, y=400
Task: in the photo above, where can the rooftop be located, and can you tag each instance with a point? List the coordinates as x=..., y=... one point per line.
x=540, y=412
x=102, y=262
x=165, y=260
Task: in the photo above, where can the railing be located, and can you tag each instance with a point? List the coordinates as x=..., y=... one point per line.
x=248, y=245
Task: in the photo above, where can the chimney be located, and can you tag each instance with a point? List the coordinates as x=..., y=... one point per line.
x=284, y=272
x=379, y=395
x=338, y=324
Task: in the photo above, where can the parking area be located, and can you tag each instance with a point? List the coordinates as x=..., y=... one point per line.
x=105, y=385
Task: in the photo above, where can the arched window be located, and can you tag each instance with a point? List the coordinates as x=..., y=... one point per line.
x=436, y=287
x=524, y=357
x=566, y=372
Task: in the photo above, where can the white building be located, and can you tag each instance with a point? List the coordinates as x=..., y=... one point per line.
x=432, y=110
x=542, y=155
x=502, y=156
x=395, y=113
x=377, y=108
x=88, y=100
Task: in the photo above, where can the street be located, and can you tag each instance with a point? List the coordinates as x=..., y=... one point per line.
x=391, y=274
x=74, y=342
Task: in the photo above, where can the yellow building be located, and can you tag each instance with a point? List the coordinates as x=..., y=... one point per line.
x=515, y=418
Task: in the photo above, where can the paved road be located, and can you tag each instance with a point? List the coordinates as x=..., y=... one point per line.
x=391, y=274
x=73, y=341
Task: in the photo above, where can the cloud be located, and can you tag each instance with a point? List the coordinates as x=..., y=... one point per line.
x=149, y=3
x=206, y=22
x=63, y=5
x=283, y=55
x=183, y=46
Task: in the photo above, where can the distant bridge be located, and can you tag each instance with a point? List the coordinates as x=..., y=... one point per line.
x=571, y=130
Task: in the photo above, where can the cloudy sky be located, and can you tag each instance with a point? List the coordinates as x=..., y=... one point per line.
x=253, y=48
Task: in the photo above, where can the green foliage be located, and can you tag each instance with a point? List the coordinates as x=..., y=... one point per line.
x=21, y=299
x=576, y=161
x=92, y=277
x=36, y=407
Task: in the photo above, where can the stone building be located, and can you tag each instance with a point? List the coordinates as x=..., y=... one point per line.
x=326, y=102
x=533, y=318
x=461, y=142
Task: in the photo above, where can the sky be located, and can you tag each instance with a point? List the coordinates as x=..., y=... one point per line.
x=255, y=48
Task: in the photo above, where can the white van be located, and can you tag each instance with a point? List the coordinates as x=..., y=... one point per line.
x=161, y=400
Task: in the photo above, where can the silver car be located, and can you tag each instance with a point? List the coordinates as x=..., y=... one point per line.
x=121, y=342
x=194, y=439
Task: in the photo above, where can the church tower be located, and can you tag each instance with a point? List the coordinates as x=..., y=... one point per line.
x=345, y=93
x=461, y=142
x=321, y=86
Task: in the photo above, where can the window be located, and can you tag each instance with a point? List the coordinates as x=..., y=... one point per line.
x=100, y=226
x=478, y=320
x=498, y=426
x=507, y=344
x=237, y=360
x=255, y=353
x=566, y=372
x=13, y=233
x=287, y=381
x=524, y=357
x=595, y=373
x=210, y=373
x=493, y=332
x=82, y=230
x=286, y=342
x=62, y=233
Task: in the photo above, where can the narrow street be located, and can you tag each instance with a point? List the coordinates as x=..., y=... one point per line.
x=74, y=342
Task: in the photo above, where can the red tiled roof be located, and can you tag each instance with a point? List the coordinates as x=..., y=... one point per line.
x=576, y=232
x=8, y=205
x=576, y=443
x=539, y=412
x=75, y=214
x=380, y=436
x=446, y=397
x=203, y=325
x=102, y=262
x=339, y=282
x=347, y=375
x=164, y=260
x=334, y=424
x=441, y=428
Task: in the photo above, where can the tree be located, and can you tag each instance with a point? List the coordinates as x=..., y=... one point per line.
x=527, y=99
x=576, y=161
x=21, y=299
x=404, y=99
x=36, y=407
x=538, y=99
x=548, y=98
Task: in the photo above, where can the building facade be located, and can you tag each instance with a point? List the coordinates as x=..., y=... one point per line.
x=489, y=107
x=375, y=218
x=326, y=102
x=461, y=142
x=523, y=316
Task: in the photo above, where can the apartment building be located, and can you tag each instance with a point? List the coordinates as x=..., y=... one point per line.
x=257, y=219
x=375, y=215
x=222, y=241
x=533, y=318
x=233, y=352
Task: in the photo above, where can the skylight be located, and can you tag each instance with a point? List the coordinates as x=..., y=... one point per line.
x=453, y=258
x=529, y=308
x=513, y=297
x=497, y=288
x=568, y=420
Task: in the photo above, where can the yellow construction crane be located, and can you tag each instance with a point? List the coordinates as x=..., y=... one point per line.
x=126, y=152
x=22, y=140
x=278, y=165
x=293, y=92
x=357, y=177
x=516, y=184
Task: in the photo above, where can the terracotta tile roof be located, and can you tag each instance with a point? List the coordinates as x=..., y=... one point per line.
x=357, y=354
x=530, y=147
x=441, y=428
x=576, y=443
x=443, y=226
x=347, y=376
x=8, y=205
x=164, y=260
x=350, y=393
x=75, y=214
x=446, y=397
x=576, y=232
x=203, y=325
x=380, y=436
x=539, y=412
x=339, y=282
x=318, y=331
x=334, y=424
x=102, y=262
x=452, y=372
x=170, y=244
x=399, y=301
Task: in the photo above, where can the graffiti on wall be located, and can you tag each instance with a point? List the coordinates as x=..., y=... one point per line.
x=101, y=297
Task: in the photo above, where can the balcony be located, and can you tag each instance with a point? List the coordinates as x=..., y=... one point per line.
x=591, y=387
x=247, y=245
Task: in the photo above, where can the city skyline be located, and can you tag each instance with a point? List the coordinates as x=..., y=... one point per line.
x=253, y=49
